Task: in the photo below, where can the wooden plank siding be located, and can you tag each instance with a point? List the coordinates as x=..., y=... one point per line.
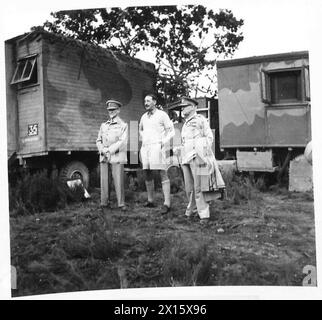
x=76, y=89
x=29, y=102
x=30, y=112
x=11, y=101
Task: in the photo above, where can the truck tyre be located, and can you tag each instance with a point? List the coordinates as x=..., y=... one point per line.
x=75, y=170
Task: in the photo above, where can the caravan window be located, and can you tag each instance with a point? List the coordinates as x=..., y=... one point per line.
x=26, y=72
x=286, y=86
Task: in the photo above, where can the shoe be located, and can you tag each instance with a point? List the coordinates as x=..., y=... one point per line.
x=165, y=210
x=204, y=221
x=149, y=205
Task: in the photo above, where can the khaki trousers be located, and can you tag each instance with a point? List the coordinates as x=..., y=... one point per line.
x=196, y=198
x=117, y=170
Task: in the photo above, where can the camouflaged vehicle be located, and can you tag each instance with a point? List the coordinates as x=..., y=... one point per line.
x=56, y=89
x=264, y=109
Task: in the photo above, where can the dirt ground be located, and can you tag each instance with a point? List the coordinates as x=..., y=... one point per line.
x=264, y=240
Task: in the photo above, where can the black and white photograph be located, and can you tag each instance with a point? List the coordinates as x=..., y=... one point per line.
x=160, y=150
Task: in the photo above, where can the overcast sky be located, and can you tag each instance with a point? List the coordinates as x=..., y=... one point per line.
x=273, y=26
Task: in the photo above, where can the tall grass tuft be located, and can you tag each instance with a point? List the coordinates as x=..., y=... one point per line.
x=57, y=273
x=243, y=187
x=95, y=237
x=188, y=264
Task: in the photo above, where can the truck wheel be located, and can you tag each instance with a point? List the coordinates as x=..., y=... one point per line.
x=75, y=170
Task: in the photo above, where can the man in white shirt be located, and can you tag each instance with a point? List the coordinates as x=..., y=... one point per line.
x=156, y=129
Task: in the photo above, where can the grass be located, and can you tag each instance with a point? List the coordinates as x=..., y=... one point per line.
x=188, y=264
x=266, y=238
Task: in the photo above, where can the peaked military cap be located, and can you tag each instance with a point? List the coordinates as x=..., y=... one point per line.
x=113, y=104
x=186, y=101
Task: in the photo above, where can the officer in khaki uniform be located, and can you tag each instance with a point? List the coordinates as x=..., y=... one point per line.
x=203, y=180
x=112, y=146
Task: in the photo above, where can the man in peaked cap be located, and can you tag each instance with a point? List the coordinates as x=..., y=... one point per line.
x=112, y=146
x=186, y=101
x=156, y=130
x=202, y=177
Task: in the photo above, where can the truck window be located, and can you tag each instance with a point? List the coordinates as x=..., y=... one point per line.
x=286, y=87
x=26, y=72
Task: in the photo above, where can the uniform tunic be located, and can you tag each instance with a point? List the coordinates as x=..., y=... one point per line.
x=112, y=138
x=201, y=173
x=156, y=130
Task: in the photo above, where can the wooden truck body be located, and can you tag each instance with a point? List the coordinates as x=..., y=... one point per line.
x=56, y=93
x=264, y=109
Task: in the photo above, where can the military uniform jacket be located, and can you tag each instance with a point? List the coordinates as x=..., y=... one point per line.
x=112, y=137
x=197, y=139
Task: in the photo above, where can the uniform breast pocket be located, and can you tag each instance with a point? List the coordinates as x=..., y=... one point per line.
x=191, y=132
x=116, y=132
x=192, y=123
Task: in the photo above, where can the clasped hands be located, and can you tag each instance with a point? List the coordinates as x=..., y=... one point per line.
x=177, y=151
x=106, y=153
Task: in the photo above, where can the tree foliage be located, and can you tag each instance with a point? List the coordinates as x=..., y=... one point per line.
x=185, y=41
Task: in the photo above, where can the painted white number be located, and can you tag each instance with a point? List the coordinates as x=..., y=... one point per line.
x=32, y=129
x=310, y=279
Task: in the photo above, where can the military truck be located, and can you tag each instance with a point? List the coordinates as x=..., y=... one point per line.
x=56, y=89
x=264, y=110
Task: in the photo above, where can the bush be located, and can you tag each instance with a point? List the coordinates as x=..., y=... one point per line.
x=34, y=193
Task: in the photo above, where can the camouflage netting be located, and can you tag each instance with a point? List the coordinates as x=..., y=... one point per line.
x=91, y=53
